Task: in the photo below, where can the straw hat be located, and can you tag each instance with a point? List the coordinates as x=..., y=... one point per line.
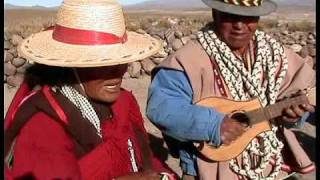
x=88, y=33
x=243, y=7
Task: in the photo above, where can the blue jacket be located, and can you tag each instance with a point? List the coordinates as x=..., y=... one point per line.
x=171, y=109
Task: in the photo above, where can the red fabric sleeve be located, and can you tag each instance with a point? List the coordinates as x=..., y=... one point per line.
x=44, y=151
x=135, y=113
x=104, y=162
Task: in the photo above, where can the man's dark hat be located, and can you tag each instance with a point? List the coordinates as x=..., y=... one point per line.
x=243, y=7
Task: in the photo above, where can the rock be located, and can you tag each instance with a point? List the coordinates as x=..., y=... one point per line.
x=143, y=73
x=126, y=75
x=157, y=60
x=186, y=32
x=18, y=61
x=169, y=36
x=155, y=23
x=194, y=31
x=185, y=40
x=169, y=50
x=22, y=69
x=25, y=34
x=178, y=34
x=5, y=37
x=9, y=69
x=193, y=37
x=7, y=56
x=304, y=52
x=313, y=42
x=285, y=32
x=281, y=23
x=278, y=34
x=133, y=24
x=13, y=51
x=16, y=80
x=312, y=51
x=156, y=33
x=303, y=43
x=164, y=44
x=141, y=31
x=16, y=39
x=173, y=21
x=296, y=37
x=296, y=47
x=311, y=37
x=6, y=45
x=160, y=34
x=290, y=42
x=176, y=44
x=161, y=54
x=147, y=66
x=134, y=70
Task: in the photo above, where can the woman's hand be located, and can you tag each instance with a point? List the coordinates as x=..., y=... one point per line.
x=294, y=113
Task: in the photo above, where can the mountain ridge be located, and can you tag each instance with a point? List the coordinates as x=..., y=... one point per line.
x=197, y=4
x=179, y=5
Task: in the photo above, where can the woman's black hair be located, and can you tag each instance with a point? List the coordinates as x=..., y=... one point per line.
x=39, y=74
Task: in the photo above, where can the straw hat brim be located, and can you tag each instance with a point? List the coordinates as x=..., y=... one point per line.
x=265, y=8
x=42, y=49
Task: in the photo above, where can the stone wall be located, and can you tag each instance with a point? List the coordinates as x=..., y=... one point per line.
x=172, y=39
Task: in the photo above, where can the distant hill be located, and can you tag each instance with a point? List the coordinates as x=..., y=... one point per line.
x=184, y=5
x=168, y=5
x=306, y=3
x=11, y=6
x=198, y=4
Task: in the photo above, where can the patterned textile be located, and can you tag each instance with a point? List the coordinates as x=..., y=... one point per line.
x=245, y=85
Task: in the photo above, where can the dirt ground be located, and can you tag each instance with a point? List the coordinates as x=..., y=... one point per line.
x=139, y=88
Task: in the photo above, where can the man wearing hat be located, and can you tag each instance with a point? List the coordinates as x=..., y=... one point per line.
x=234, y=60
x=71, y=119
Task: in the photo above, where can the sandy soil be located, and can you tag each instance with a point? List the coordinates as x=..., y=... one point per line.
x=139, y=88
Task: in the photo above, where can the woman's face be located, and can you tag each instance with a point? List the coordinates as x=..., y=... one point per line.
x=102, y=83
x=236, y=31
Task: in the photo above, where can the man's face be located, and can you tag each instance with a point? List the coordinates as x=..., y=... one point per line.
x=236, y=31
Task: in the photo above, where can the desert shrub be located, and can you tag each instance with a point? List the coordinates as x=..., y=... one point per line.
x=163, y=24
x=305, y=26
x=267, y=24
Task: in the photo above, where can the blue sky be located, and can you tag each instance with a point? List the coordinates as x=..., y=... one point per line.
x=50, y=3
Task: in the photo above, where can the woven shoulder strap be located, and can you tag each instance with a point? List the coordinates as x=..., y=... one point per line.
x=44, y=101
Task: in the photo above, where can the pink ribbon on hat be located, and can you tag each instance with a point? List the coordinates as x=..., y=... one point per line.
x=85, y=37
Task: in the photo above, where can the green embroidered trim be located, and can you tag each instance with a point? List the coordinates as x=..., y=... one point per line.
x=10, y=160
x=164, y=176
x=10, y=157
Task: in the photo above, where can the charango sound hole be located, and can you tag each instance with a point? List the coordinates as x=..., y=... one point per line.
x=242, y=118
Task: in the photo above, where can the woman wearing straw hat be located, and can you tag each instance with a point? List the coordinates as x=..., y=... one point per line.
x=80, y=124
x=232, y=59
